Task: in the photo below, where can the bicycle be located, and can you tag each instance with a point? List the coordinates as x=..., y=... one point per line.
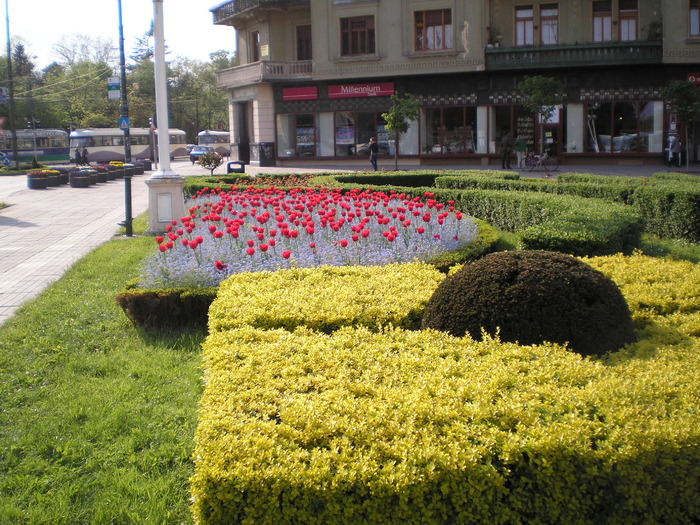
x=532, y=160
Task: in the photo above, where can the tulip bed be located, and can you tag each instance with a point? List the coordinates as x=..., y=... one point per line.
x=235, y=231
x=372, y=423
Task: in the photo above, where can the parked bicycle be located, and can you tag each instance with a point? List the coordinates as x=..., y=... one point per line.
x=532, y=160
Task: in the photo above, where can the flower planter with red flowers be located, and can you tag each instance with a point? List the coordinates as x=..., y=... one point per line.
x=41, y=179
x=37, y=180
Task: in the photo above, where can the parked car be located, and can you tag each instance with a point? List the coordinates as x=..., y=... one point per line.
x=198, y=151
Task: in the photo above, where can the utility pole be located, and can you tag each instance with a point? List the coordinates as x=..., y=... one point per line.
x=124, y=114
x=11, y=90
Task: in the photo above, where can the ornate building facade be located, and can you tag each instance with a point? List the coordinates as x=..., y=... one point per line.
x=315, y=77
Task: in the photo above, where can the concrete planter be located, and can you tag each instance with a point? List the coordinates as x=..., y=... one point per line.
x=37, y=182
x=79, y=179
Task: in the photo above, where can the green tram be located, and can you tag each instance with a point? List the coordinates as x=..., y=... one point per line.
x=49, y=146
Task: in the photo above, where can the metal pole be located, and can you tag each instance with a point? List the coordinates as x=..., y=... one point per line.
x=124, y=113
x=161, y=92
x=11, y=90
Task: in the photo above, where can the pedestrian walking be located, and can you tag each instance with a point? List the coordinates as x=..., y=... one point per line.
x=506, y=147
x=675, y=149
x=520, y=148
x=373, y=152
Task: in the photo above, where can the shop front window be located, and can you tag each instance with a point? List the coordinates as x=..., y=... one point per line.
x=354, y=129
x=449, y=130
x=296, y=135
x=625, y=127
x=344, y=133
x=305, y=135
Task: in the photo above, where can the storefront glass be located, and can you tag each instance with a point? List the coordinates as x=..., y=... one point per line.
x=621, y=127
x=296, y=135
x=450, y=130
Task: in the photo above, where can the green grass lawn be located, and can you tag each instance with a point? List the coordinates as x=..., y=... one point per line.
x=96, y=418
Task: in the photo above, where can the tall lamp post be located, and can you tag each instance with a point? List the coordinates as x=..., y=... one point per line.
x=124, y=114
x=166, y=200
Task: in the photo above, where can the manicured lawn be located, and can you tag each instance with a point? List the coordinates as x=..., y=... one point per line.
x=96, y=419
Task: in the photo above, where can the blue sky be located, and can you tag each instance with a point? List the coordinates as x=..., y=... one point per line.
x=189, y=30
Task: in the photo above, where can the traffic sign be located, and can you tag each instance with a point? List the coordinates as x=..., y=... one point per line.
x=123, y=123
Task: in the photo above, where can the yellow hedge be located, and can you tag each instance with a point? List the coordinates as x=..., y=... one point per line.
x=326, y=298
x=396, y=426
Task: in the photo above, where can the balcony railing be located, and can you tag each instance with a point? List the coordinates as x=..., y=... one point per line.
x=574, y=55
x=235, y=8
x=263, y=72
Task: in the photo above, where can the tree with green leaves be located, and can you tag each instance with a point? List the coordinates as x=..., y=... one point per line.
x=210, y=161
x=683, y=98
x=403, y=110
x=541, y=96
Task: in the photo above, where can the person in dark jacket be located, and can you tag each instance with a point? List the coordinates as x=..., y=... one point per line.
x=373, y=152
x=506, y=147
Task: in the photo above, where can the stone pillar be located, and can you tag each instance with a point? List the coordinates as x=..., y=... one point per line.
x=165, y=202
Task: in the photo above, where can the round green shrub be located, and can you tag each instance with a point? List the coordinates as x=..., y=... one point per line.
x=531, y=296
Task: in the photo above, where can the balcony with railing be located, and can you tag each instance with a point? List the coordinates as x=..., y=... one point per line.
x=263, y=72
x=233, y=9
x=574, y=55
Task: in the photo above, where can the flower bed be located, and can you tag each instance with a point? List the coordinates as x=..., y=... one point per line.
x=270, y=229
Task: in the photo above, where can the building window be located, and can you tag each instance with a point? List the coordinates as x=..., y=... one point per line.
x=602, y=21
x=628, y=20
x=357, y=36
x=694, y=18
x=303, y=42
x=433, y=30
x=524, y=25
x=619, y=127
x=549, y=24
x=255, y=46
x=449, y=130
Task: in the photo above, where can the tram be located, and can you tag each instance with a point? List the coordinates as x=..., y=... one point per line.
x=219, y=140
x=48, y=145
x=107, y=144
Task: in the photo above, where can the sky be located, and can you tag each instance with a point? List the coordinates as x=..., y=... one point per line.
x=188, y=25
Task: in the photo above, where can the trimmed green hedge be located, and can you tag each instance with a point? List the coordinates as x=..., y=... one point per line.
x=670, y=209
x=587, y=189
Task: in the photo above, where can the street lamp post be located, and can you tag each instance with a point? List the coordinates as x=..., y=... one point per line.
x=124, y=114
x=11, y=90
x=166, y=199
